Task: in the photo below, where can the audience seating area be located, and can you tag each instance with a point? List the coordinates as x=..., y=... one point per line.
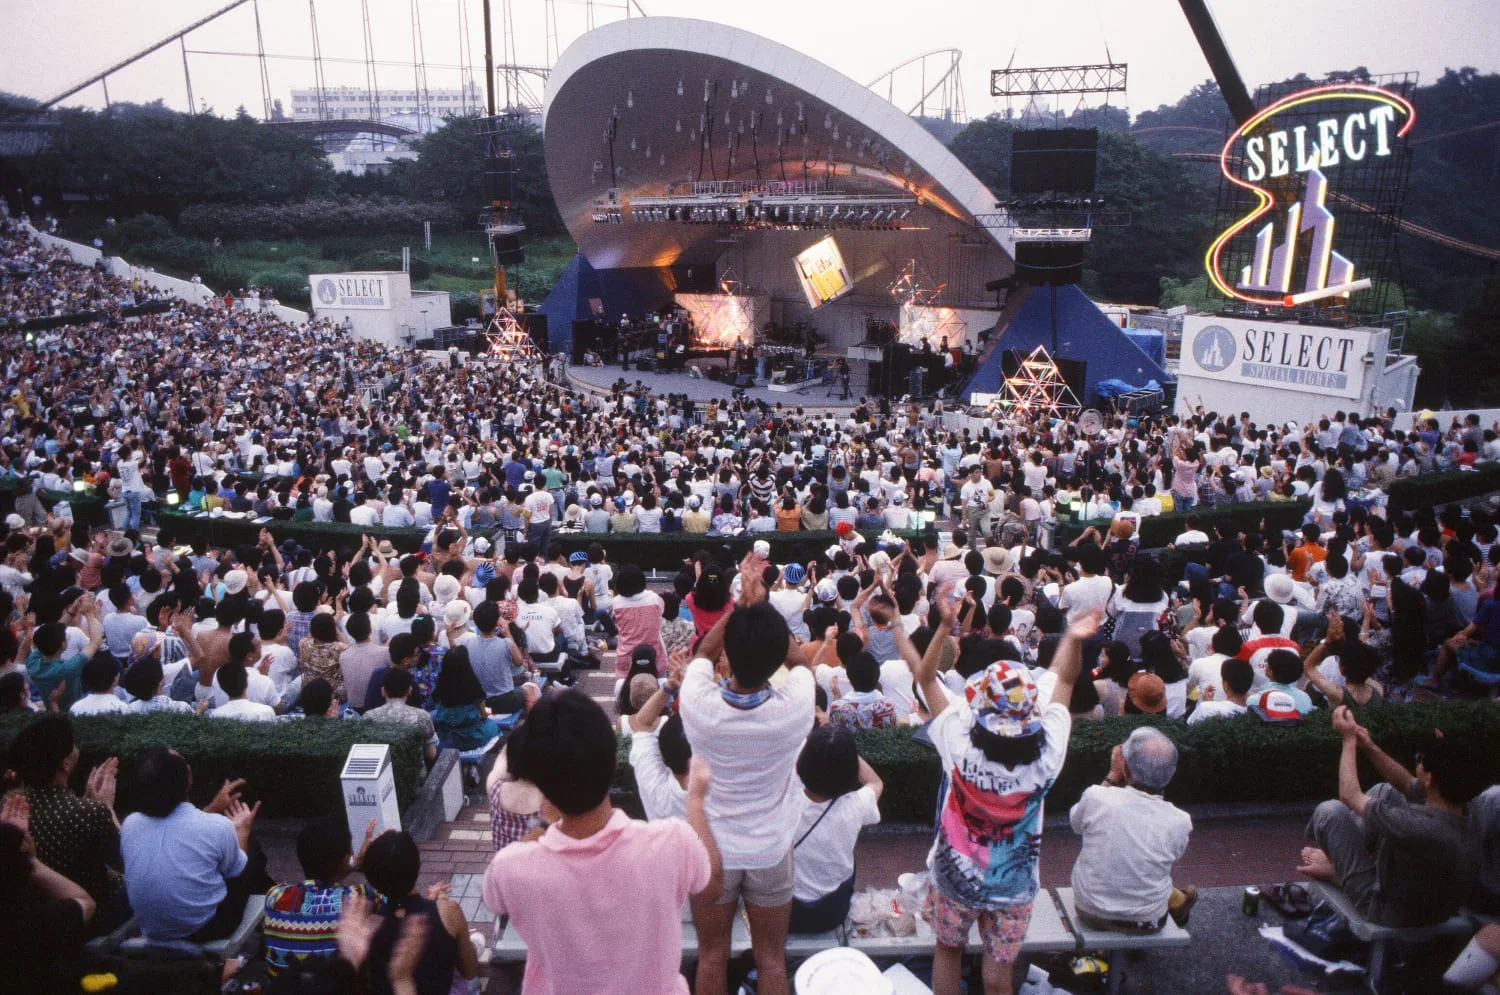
x=1055, y=929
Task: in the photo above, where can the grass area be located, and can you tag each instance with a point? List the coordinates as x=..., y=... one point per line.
x=459, y=262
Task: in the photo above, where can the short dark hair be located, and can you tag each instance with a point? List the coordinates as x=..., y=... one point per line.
x=487, y=616
x=392, y=864
x=13, y=690
x=1227, y=640
x=566, y=747
x=38, y=751
x=241, y=645
x=306, y=595
x=323, y=848
x=317, y=696
x=402, y=645
x=161, y=781
x=829, y=762
x=99, y=673
x=1450, y=761
x=396, y=683
x=358, y=626
x=676, y=751
x=1268, y=616
x=234, y=678
x=1091, y=558
x=272, y=621
x=1283, y=666
x=143, y=678
x=756, y=641
x=863, y=671
x=1238, y=676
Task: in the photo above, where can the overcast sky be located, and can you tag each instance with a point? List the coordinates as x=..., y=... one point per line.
x=48, y=45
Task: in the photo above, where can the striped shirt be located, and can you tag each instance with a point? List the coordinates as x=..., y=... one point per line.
x=302, y=921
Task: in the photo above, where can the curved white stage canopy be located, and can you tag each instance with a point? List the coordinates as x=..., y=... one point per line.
x=648, y=116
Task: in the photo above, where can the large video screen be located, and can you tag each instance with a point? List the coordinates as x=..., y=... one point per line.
x=823, y=273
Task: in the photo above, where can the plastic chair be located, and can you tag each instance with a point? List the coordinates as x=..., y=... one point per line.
x=243, y=942
x=469, y=761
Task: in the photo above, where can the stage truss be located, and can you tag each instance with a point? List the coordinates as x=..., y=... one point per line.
x=509, y=342
x=726, y=319
x=921, y=319
x=1037, y=388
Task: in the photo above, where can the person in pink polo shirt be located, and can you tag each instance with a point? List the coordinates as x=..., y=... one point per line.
x=598, y=898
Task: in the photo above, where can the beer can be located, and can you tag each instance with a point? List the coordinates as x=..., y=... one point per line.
x=1251, y=903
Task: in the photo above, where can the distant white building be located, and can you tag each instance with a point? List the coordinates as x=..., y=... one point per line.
x=407, y=107
x=360, y=161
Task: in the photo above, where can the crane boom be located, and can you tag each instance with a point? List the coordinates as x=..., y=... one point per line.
x=1231, y=85
x=143, y=53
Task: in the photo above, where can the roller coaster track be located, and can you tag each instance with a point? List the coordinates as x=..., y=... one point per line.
x=1408, y=227
x=1218, y=133
x=946, y=90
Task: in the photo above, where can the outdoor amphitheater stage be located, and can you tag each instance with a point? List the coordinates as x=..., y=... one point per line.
x=814, y=394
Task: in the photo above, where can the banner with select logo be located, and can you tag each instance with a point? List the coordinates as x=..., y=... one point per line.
x=1311, y=358
x=352, y=291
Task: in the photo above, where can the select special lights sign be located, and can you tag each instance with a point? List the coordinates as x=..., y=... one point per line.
x=351, y=291
x=1308, y=358
x=1285, y=161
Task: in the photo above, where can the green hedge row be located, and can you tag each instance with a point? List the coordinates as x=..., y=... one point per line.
x=650, y=550
x=1158, y=530
x=87, y=509
x=1406, y=494
x=1431, y=489
x=1229, y=760
x=292, y=767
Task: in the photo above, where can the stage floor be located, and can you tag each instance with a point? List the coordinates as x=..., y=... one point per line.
x=600, y=379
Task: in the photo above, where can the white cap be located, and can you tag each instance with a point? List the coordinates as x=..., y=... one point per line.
x=14, y=521
x=841, y=971
x=762, y=549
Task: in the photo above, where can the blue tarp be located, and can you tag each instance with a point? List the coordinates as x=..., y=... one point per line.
x=1151, y=342
x=1084, y=334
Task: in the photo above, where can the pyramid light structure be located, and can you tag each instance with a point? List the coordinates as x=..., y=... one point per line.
x=509, y=342
x=1038, y=388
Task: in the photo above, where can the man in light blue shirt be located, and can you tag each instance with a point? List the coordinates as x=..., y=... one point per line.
x=188, y=872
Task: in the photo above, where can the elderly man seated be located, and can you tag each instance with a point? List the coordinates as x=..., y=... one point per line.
x=1132, y=836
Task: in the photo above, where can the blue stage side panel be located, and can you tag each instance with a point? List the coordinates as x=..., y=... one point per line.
x=622, y=291
x=1083, y=334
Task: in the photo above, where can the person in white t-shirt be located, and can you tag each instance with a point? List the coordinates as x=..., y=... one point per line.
x=791, y=601
x=750, y=734
x=1122, y=879
x=1091, y=591
x=659, y=751
x=233, y=679
x=1000, y=744
x=1207, y=672
x=539, y=620
x=99, y=677
x=842, y=795
x=1237, y=676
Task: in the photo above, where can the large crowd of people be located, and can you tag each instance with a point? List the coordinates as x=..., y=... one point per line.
x=739, y=682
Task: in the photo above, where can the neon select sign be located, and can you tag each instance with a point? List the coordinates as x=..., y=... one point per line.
x=1284, y=168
